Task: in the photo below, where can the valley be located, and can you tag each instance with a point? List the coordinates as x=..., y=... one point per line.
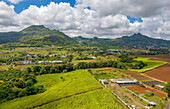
x=46, y=69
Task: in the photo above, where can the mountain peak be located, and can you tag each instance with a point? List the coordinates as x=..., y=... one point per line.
x=137, y=34
x=35, y=28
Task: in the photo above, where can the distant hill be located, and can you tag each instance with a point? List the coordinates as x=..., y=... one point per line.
x=39, y=35
x=133, y=41
x=141, y=41
x=36, y=34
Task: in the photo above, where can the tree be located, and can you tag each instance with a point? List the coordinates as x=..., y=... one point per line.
x=29, y=70
x=167, y=88
x=36, y=69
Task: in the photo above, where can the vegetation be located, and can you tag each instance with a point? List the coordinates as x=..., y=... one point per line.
x=35, y=36
x=167, y=88
x=150, y=64
x=57, y=86
x=15, y=83
x=98, y=99
x=138, y=41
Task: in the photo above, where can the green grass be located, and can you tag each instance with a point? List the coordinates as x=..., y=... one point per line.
x=58, y=86
x=114, y=74
x=98, y=99
x=6, y=67
x=78, y=61
x=150, y=64
x=147, y=80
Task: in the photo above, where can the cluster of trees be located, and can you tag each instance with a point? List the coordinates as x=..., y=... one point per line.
x=115, y=64
x=16, y=83
x=167, y=88
x=134, y=64
x=159, y=50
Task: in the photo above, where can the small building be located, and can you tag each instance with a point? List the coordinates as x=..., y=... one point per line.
x=4, y=64
x=124, y=81
x=50, y=62
x=152, y=104
x=160, y=87
x=57, y=62
x=92, y=57
x=63, y=56
x=40, y=62
x=103, y=81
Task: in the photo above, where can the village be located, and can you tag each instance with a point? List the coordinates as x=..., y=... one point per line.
x=132, y=88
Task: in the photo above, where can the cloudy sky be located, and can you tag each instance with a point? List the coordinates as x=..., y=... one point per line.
x=89, y=18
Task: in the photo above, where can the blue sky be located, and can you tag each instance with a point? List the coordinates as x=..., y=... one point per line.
x=89, y=18
x=19, y=7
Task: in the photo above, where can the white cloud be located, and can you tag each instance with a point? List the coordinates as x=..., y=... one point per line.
x=15, y=1
x=97, y=22
x=7, y=16
x=137, y=8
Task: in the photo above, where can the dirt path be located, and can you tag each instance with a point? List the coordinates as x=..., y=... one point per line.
x=155, y=89
x=126, y=96
x=168, y=105
x=62, y=98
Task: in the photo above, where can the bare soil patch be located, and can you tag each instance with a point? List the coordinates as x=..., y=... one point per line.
x=135, y=75
x=107, y=69
x=149, y=83
x=162, y=73
x=144, y=90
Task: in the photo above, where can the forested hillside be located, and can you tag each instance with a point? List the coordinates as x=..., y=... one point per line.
x=133, y=41
x=36, y=35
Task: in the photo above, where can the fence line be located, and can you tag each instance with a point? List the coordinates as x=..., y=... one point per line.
x=117, y=96
x=141, y=97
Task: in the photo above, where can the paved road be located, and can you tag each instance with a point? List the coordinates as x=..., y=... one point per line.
x=168, y=105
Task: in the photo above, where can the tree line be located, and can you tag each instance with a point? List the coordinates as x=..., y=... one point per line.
x=17, y=83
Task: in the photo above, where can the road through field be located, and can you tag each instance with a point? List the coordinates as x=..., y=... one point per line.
x=168, y=105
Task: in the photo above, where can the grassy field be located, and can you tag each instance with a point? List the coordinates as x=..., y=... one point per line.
x=58, y=86
x=108, y=74
x=98, y=99
x=150, y=64
x=6, y=67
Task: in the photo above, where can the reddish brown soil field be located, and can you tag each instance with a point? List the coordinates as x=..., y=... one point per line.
x=143, y=90
x=135, y=75
x=165, y=58
x=106, y=69
x=103, y=60
x=152, y=82
x=161, y=73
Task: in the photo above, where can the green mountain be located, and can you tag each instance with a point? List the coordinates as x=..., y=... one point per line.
x=36, y=35
x=133, y=41
x=141, y=41
x=39, y=35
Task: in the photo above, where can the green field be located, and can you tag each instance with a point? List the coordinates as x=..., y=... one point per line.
x=6, y=67
x=150, y=64
x=57, y=86
x=98, y=99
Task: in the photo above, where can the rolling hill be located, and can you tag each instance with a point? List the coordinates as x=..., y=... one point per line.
x=141, y=41
x=36, y=35
x=133, y=41
x=39, y=35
